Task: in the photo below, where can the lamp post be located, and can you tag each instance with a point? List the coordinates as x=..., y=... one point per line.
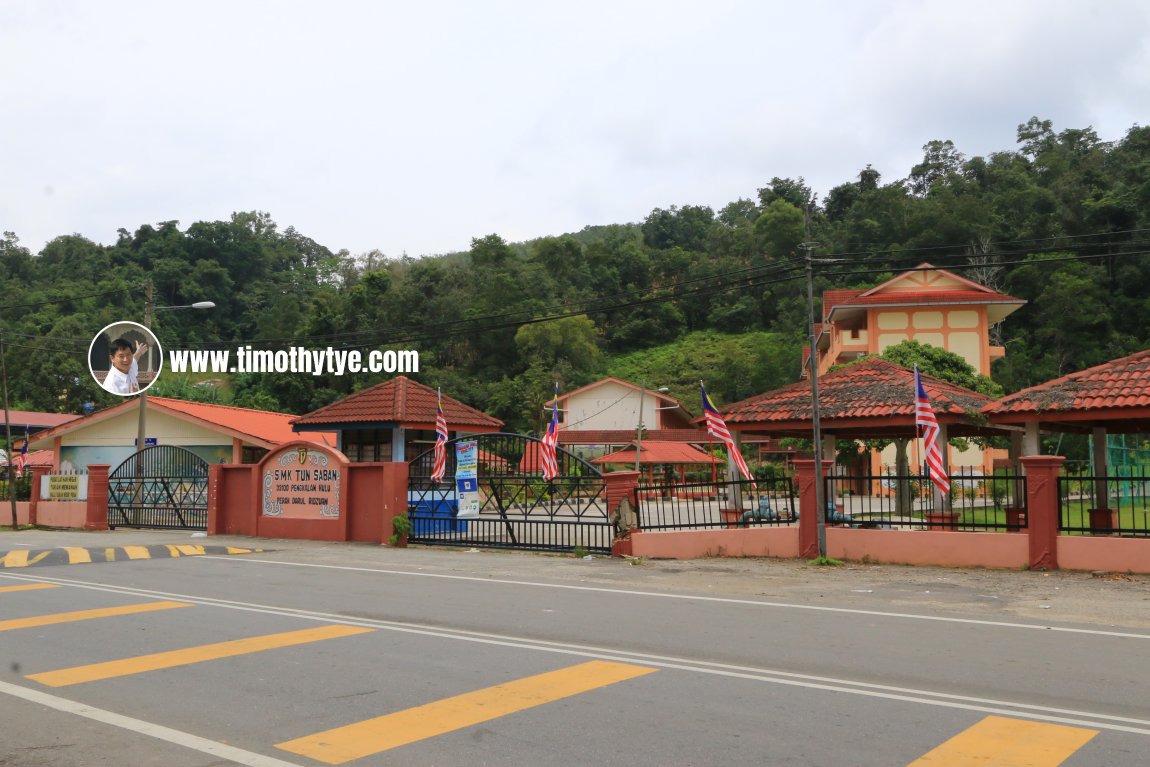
x=149, y=309
x=639, y=428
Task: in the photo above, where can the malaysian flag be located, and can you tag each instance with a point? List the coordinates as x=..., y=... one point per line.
x=550, y=440
x=925, y=419
x=440, y=467
x=717, y=428
x=22, y=461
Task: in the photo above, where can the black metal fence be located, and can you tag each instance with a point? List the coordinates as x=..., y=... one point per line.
x=976, y=501
x=685, y=506
x=1117, y=504
x=517, y=509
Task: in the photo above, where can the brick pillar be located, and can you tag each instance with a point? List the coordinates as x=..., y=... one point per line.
x=808, y=506
x=620, y=485
x=1042, y=509
x=33, y=502
x=97, y=516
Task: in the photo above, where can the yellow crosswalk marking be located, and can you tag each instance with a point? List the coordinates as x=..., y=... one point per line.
x=187, y=656
x=372, y=736
x=83, y=615
x=28, y=587
x=77, y=555
x=1001, y=742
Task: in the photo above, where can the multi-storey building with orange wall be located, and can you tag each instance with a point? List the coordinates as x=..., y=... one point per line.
x=930, y=305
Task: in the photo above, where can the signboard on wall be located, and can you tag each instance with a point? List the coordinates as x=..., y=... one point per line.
x=301, y=482
x=467, y=478
x=64, y=487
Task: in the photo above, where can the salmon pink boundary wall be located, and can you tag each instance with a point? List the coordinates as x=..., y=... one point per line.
x=1037, y=547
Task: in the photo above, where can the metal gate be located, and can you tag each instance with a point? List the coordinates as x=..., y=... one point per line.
x=517, y=509
x=159, y=487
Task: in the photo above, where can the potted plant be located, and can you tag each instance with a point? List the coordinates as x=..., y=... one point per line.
x=402, y=527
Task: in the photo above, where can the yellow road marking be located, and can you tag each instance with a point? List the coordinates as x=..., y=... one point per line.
x=372, y=736
x=190, y=551
x=29, y=587
x=110, y=554
x=21, y=558
x=1001, y=742
x=83, y=615
x=173, y=658
x=77, y=555
x=137, y=552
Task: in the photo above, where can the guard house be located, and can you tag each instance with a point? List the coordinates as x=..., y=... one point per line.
x=393, y=421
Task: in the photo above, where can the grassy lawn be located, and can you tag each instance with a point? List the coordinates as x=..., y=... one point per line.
x=1131, y=516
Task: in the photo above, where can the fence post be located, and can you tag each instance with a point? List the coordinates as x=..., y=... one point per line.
x=215, y=507
x=620, y=485
x=809, y=506
x=34, y=498
x=97, y=516
x=1042, y=509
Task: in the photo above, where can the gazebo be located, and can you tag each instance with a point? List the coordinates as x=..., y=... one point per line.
x=1113, y=397
x=654, y=453
x=871, y=399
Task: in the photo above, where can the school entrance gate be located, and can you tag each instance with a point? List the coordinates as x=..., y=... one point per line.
x=164, y=487
x=505, y=503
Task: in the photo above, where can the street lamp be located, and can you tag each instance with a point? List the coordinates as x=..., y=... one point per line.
x=639, y=428
x=149, y=309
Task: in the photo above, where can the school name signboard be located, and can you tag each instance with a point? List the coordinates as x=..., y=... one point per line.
x=302, y=483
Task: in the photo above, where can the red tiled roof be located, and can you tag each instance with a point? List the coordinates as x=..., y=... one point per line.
x=399, y=401
x=263, y=425
x=912, y=292
x=928, y=297
x=260, y=427
x=652, y=452
x=34, y=458
x=872, y=396
x=624, y=436
x=1118, y=390
x=832, y=298
x=36, y=419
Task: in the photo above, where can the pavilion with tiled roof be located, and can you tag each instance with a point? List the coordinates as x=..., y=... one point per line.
x=1111, y=397
x=393, y=421
x=1115, y=394
x=873, y=398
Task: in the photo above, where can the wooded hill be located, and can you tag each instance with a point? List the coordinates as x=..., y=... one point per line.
x=1062, y=220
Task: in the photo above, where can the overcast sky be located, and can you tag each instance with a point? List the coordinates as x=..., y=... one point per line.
x=414, y=127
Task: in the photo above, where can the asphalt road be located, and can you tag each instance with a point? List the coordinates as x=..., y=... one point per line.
x=310, y=653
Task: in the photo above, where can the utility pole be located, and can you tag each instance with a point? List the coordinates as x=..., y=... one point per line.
x=817, y=435
x=7, y=426
x=149, y=306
